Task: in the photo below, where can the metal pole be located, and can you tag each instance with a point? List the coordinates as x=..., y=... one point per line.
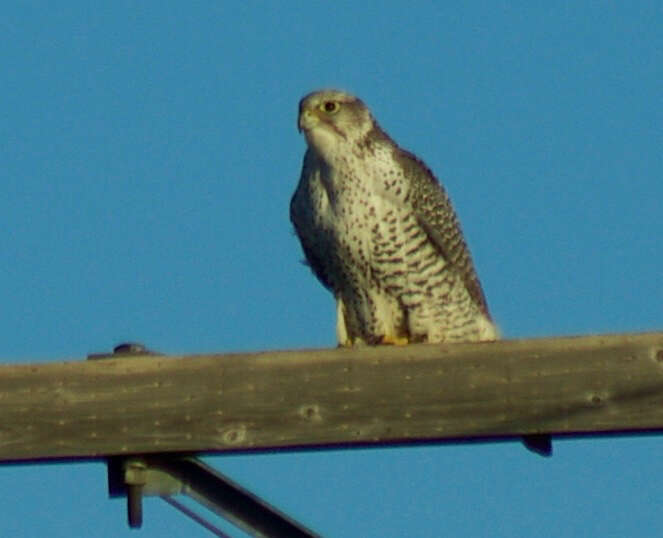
x=228, y=499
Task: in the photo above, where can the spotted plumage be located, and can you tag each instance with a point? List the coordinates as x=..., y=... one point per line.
x=379, y=232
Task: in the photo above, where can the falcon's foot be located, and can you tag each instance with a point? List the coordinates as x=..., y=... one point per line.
x=394, y=340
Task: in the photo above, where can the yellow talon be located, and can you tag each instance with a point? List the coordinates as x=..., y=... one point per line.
x=394, y=340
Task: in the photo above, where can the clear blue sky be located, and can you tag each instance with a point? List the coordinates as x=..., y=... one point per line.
x=149, y=151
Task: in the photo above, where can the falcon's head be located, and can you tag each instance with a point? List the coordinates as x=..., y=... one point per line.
x=333, y=118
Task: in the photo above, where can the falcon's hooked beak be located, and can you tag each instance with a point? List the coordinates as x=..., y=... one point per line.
x=307, y=119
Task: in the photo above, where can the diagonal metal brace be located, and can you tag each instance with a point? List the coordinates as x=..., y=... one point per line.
x=168, y=475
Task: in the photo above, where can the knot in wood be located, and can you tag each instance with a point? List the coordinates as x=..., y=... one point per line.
x=310, y=412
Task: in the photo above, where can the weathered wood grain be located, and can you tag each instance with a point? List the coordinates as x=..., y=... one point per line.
x=291, y=399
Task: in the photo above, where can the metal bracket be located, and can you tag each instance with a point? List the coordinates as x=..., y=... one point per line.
x=169, y=475
x=166, y=476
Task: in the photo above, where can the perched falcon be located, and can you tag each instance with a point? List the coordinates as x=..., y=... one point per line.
x=379, y=232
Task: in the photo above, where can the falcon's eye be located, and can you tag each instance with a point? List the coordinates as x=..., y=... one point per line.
x=330, y=107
